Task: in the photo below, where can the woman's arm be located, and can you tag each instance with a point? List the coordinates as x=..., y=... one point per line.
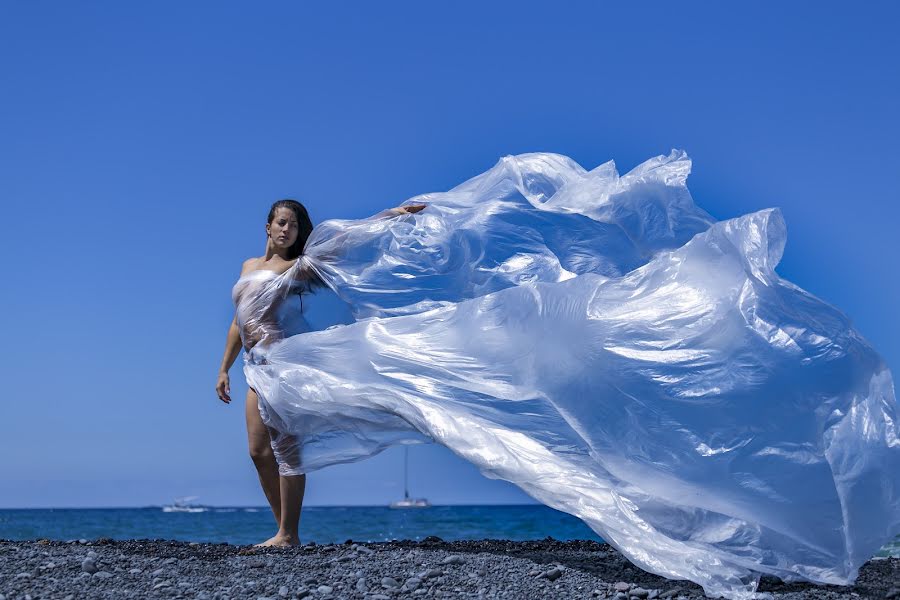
x=330, y=244
x=232, y=349
x=399, y=210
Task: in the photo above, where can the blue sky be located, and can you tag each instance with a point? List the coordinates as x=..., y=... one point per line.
x=141, y=145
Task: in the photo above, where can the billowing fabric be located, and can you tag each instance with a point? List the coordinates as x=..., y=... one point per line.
x=605, y=345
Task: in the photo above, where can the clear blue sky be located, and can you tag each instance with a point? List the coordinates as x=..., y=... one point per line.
x=141, y=145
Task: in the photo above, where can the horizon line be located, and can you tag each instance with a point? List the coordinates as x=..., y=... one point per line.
x=258, y=506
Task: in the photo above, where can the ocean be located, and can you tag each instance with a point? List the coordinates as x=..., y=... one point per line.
x=248, y=525
x=323, y=525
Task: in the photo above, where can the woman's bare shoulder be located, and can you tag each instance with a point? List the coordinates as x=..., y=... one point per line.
x=260, y=263
x=251, y=264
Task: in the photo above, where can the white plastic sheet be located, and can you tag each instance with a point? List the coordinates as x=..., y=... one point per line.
x=605, y=345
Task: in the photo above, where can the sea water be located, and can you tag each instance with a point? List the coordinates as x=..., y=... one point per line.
x=247, y=525
x=331, y=524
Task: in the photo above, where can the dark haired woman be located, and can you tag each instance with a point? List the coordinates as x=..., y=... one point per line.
x=269, y=307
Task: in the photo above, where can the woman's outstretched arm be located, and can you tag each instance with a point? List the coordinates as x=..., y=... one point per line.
x=330, y=245
x=232, y=349
x=399, y=210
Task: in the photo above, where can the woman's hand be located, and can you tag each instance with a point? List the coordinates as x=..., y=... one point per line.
x=408, y=209
x=223, y=388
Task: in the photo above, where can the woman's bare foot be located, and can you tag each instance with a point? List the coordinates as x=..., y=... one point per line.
x=280, y=540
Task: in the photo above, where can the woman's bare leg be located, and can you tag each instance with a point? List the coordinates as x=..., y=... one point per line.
x=262, y=455
x=292, y=490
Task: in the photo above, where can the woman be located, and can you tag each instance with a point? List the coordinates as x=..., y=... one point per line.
x=613, y=350
x=262, y=317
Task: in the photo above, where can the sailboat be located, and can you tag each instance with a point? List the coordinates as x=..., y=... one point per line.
x=183, y=504
x=408, y=502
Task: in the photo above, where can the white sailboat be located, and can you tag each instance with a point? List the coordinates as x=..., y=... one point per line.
x=183, y=504
x=408, y=502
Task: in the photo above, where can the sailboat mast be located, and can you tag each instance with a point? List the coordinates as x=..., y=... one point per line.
x=406, y=471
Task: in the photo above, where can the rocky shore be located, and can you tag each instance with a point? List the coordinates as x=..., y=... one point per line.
x=376, y=571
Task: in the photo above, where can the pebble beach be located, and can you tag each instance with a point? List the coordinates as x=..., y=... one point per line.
x=430, y=568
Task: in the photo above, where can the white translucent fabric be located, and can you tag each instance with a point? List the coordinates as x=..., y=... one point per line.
x=606, y=346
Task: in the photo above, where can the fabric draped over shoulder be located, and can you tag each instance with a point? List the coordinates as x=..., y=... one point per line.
x=607, y=346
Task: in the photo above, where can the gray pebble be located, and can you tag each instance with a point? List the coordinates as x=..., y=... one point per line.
x=89, y=566
x=378, y=597
x=162, y=584
x=361, y=585
x=452, y=560
x=622, y=586
x=302, y=592
x=103, y=574
x=325, y=589
x=430, y=574
x=411, y=584
x=157, y=572
x=364, y=550
x=135, y=571
x=283, y=591
x=639, y=592
x=389, y=582
x=621, y=596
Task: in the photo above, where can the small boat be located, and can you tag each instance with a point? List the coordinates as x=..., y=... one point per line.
x=184, y=505
x=408, y=502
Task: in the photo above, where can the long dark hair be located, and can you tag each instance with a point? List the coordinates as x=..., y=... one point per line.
x=303, y=221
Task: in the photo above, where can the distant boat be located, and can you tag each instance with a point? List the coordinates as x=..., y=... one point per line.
x=408, y=502
x=184, y=505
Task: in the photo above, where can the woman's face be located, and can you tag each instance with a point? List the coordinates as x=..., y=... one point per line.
x=284, y=228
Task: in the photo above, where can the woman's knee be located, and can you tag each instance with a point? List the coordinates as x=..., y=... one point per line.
x=261, y=453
